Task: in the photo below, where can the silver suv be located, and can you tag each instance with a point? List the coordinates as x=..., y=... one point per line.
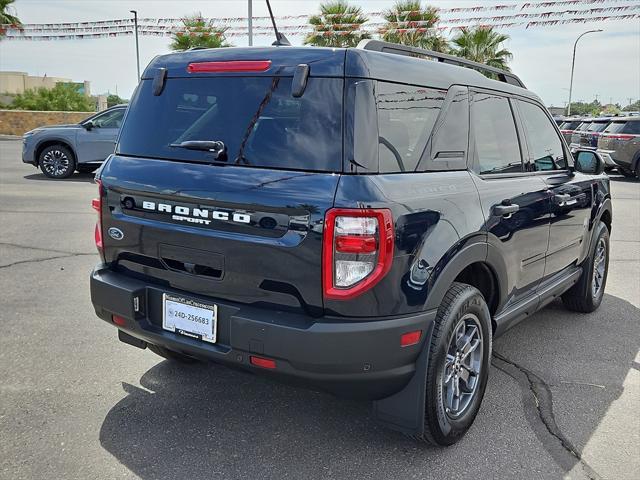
x=620, y=143
x=59, y=150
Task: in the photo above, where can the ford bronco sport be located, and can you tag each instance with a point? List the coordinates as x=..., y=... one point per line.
x=359, y=220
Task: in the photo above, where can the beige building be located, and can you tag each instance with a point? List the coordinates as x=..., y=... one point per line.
x=18, y=82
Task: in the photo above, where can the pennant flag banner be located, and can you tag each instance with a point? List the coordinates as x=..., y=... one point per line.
x=512, y=16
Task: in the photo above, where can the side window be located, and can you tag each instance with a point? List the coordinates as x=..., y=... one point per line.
x=545, y=146
x=112, y=119
x=497, y=149
x=406, y=116
x=632, y=127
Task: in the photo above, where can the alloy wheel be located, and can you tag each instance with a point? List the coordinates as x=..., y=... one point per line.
x=462, y=366
x=599, y=267
x=56, y=163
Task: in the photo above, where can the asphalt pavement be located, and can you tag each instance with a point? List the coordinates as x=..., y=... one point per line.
x=563, y=399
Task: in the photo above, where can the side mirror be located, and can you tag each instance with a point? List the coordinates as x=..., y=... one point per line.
x=589, y=162
x=88, y=125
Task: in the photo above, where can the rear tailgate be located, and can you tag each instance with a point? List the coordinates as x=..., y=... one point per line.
x=241, y=221
x=234, y=233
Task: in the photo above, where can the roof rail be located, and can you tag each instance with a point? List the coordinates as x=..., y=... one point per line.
x=398, y=49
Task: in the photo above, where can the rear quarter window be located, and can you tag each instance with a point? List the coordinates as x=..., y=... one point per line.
x=406, y=116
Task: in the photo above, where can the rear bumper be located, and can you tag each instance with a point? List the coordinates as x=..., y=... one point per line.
x=348, y=357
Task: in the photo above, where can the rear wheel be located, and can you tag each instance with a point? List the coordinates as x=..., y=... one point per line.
x=586, y=295
x=56, y=161
x=170, y=354
x=458, y=365
x=626, y=173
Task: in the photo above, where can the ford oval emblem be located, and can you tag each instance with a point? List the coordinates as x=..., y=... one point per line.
x=115, y=233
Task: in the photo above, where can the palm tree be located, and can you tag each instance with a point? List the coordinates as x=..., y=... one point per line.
x=198, y=32
x=420, y=23
x=337, y=16
x=484, y=45
x=6, y=11
x=7, y=17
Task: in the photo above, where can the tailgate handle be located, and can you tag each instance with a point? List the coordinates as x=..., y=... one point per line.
x=188, y=260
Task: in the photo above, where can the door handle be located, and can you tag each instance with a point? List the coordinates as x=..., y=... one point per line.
x=505, y=209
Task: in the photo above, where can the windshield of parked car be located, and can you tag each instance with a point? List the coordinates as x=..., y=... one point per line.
x=569, y=125
x=597, y=126
x=583, y=126
x=256, y=118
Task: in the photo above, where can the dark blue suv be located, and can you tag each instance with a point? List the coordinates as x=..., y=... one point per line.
x=359, y=220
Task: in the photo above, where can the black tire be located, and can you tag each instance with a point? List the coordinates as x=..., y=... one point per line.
x=626, y=173
x=170, y=354
x=462, y=303
x=57, y=161
x=583, y=297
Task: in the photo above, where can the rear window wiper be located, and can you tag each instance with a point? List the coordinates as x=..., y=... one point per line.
x=216, y=147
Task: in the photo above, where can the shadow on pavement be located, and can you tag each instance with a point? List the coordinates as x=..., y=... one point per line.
x=207, y=421
x=76, y=177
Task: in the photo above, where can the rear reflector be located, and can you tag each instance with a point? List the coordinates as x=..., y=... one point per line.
x=231, y=66
x=411, y=338
x=353, y=244
x=118, y=320
x=262, y=362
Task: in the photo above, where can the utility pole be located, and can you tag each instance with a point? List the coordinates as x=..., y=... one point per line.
x=135, y=23
x=573, y=62
x=250, y=18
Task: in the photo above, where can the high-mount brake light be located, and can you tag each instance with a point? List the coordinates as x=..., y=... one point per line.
x=357, y=250
x=96, y=204
x=230, y=66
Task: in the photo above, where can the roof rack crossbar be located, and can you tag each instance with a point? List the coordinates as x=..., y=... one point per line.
x=398, y=49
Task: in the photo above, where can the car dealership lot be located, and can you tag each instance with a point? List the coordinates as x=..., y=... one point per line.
x=562, y=399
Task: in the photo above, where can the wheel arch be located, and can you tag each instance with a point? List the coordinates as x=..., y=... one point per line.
x=54, y=141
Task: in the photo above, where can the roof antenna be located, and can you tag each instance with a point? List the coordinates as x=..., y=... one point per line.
x=281, y=40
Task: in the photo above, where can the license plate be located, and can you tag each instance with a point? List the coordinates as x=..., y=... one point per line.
x=190, y=318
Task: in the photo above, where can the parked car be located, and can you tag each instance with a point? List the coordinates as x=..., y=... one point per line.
x=59, y=150
x=587, y=134
x=360, y=220
x=620, y=144
x=568, y=127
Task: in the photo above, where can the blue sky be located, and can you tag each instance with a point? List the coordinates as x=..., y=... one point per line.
x=607, y=63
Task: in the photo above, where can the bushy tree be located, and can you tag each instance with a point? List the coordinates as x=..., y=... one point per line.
x=632, y=107
x=586, y=108
x=63, y=97
x=198, y=32
x=418, y=21
x=113, y=100
x=341, y=17
x=484, y=45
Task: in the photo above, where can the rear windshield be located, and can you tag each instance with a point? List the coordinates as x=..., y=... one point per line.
x=569, y=125
x=597, y=126
x=583, y=126
x=632, y=127
x=258, y=120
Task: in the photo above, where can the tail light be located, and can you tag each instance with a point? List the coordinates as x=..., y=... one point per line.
x=619, y=136
x=96, y=204
x=357, y=251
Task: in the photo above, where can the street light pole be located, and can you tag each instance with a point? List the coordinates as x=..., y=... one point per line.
x=135, y=23
x=250, y=17
x=573, y=62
